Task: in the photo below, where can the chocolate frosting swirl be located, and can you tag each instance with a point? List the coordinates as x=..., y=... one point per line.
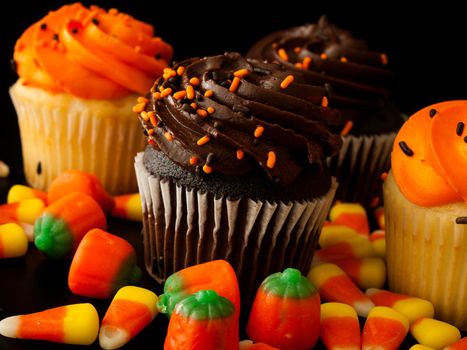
x=232, y=130
x=359, y=78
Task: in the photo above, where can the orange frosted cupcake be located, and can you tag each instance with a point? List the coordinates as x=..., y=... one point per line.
x=80, y=72
x=425, y=198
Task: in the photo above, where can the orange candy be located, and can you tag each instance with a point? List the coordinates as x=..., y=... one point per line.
x=339, y=327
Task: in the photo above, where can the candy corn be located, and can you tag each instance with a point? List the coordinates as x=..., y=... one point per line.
x=352, y=215
x=128, y=206
x=248, y=345
x=420, y=347
x=102, y=264
x=384, y=329
x=460, y=345
x=433, y=333
x=356, y=247
x=27, y=228
x=132, y=309
x=63, y=224
x=80, y=181
x=27, y=210
x=13, y=241
x=339, y=327
x=17, y=193
x=334, y=285
x=411, y=307
x=365, y=272
x=332, y=234
x=285, y=312
x=72, y=324
x=203, y=321
x=378, y=241
x=379, y=216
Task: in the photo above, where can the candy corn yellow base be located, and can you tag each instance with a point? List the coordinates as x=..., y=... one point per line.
x=427, y=253
x=61, y=132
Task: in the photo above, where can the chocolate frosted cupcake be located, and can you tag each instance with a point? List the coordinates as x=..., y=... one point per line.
x=235, y=168
x=360, y=82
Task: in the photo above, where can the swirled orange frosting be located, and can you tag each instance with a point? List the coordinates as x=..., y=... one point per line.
x=90, y=53
x=429, y=157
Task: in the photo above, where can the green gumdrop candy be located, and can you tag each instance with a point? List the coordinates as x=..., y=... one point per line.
x=289, y=284
x=205, y=305
x=53, y=237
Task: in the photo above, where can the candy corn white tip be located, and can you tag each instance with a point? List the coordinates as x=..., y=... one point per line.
x=373, y=347
x=9, y=326
x=363, y=307
x=112, y=337
x=245, y=344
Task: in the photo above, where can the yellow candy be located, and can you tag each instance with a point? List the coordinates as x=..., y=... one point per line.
x=378, y=241
x=128, y=206
x=13, y=241
x=434, y=333
x=420, y=347
x=18, y=193
x=332, y=234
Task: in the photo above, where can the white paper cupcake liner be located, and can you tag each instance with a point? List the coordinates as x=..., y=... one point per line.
x=60, y=132
x=183, y=227
x=427, y=253
x=359, y=165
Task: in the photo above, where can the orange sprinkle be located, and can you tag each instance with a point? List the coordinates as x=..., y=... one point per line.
x=240, y=154
x=274, y=45
x=194, y=160
x=202, y=141
x=344, y=60
x=138, y=108
x=168, y=136
x=323, y=56
x=180, y=94
x=282, y=54
x=348, y=126
x=113, y=11
x=235, y=83
x=169, y=73
x=299, y=65
x=208, y=93
x=161, y=88
x=150, y=131
x=259, y=131
x=374, y=202
x=166, y=92
x=241, y=73
x=194, y=105
x=306, y=62
x=324, y=102
x=287, y=81
x=144, y=115
x=180, y=70
x=297, y=49
x=142, y=99
x=152, y=118
x=384, y=176
x=194, y=81
x=384, y=59
x=271, y=160
x=190, y=92
x=156, y=96
x=202, y=113
x=211, y=110
x=151, y=141
x=207, y=169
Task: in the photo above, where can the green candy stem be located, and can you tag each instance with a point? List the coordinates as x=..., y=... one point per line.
x=205, y=305
x=53, y=237
x=289, y=284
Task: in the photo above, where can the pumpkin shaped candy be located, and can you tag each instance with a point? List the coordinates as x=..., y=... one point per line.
x=286, y=312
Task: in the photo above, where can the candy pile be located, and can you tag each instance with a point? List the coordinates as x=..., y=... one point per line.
x=203, y=301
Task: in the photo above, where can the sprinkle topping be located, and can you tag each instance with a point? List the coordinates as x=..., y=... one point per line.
x=271, y=162
x=323, y=56
x=384, y=59
x=235, y=83
x=432, y=112
x=259, y=131
x=168, y=136
x=207, y=169
x=324, y=102
x=287, y=81
x=194, y=81
x=166, y=92
x=194, y=160
x=179, y=95
x=180, y=70
x=461, y=220
x=190, y=92
x=306, y=62
x=347, y=127
x=152, y=117
x=211, y=110
x=460, y=128
x=208, y=93
x=240, y=154
x=405, y=149
x=202, y=113
x=282, y=54
x=157, y=95
x=202, y=141
x=241, y=73
x=344, y=60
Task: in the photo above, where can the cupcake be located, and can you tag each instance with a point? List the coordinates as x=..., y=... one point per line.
x=360, y=81
x=425, y=197
x=235, y=168
x=80, y=71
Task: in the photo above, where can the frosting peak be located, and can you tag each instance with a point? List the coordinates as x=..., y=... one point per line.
x=230, y=115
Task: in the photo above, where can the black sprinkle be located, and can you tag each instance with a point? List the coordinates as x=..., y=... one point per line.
x=241, y=108
x=210, y=158
x=461, y=220
x=432, y=112
x=261, y=70
x=145, y=132
x=460, y=128
x=173, y=80
x=39, y=168
x=219, y=125
x=55, y=37
x=43, y=26
x=199, y=97
x=465, y=139
x=74, y=30
x=198, y=170
x=405, y=149
x=95, y=21
x=158, y=56
x=187, y=108
x=13, y=65
x=225, y=84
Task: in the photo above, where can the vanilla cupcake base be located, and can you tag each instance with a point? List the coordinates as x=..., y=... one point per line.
x=60, y=132
x=427, y=253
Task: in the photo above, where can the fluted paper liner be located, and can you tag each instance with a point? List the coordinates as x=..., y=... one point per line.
x=427, y=253
x=183, y=227
x=61, y=132
x=359, y=165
